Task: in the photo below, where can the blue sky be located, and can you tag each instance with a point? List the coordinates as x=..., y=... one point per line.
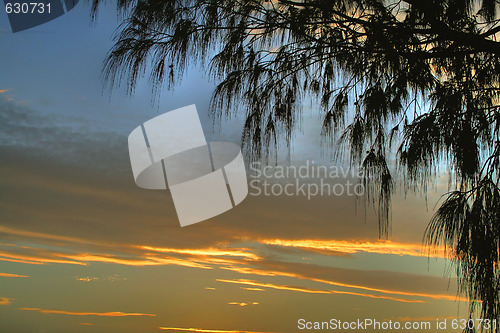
x=56, y=69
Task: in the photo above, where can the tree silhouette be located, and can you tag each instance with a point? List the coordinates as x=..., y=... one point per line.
x=417, y=78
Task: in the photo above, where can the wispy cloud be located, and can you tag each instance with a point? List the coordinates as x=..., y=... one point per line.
x=87, y=324
x=133, y=255
x=99, y=314
x=238, y=261
x=253, y=289
x=34, y=259
x=238, y=303
x=130, y=257
x=3, y=90
x=87, y=278
x=395, y=292
x=352, y=247
x=12, y=275
x=5, y=301
x=200, y=330
x=264, y=272
x=316, y=291
x=244, y=253
x=243, y=304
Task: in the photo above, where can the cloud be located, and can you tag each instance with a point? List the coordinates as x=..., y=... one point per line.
x=252, y=289
x=35, y=259
x=316, y=291
x=99, y=314
x=246, y=261
x=5, y=301
x=353, y=247
x=62, y=138
x=87, y=279
x=238, y=303
x=12, y=275
x=207, y=252
x=243, y=304
x=130, y=256
x=199, y=330
x=373, y=281
x=3, y=90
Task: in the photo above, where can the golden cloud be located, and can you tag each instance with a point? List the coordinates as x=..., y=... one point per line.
x=233, y=259
x=5, y=301
x=238, y=303
x=34, y=259
x=99, y=314
x=315, y=291
x=12, y=275
x=245, y=270
x=352, y=247
x=253, y=289
x=206, y=252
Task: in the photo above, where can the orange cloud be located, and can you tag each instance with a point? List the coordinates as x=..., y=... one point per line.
x=238, y=303
x=256, y=271
x=12, y=275
x=253, y=289
x=146, y=261
x=212, y=257
x=352, y=247
x=246, y=270
x=87, y=324
x=315, y=291
x=242, y=303
x=35, y=260
x=395, y=292
x=206, y=252
x=37, y=256
x=199, y=330
x=5, y=301
x=204, y=258
x=100, y=314
x=4, y=90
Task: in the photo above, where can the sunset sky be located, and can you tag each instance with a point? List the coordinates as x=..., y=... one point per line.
x=83, y=249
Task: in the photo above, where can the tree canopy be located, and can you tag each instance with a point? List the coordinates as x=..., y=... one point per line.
x=415, y=78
